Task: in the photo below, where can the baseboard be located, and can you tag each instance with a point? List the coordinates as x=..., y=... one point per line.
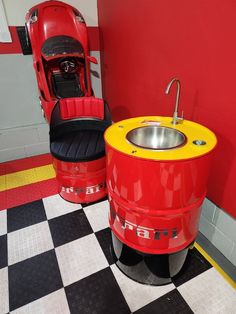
x=217, y=256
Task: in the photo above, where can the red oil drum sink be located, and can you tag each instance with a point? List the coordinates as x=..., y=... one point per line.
x=156, y=179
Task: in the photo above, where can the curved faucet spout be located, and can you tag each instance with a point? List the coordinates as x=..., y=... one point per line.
x=175, y=115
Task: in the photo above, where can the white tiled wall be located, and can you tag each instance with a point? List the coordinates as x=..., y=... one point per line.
x=24, y=142
x=19, y=101
x=220, y=229
x=233, y=255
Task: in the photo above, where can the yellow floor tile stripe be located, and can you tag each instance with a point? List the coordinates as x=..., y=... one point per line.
x=24, y=177
x=215, y=265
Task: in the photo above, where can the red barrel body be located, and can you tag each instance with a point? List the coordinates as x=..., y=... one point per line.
x=81, y=182
x=155, y=206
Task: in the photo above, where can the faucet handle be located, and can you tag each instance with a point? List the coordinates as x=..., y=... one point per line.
x=180, y=118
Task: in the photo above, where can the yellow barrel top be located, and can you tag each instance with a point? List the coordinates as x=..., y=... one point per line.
x=116, y=137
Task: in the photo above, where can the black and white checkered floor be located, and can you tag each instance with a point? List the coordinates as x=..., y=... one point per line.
x=55, y=258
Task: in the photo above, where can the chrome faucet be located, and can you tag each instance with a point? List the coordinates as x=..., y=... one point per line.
x=175, y=115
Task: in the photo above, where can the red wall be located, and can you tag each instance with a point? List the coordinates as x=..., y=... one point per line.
x=146, y=43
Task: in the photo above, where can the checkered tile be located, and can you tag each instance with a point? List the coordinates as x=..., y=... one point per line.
x=55, y=257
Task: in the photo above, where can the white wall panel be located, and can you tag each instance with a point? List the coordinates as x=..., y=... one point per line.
x=19, y=102
x=5, y=35
x=16, y=10
x=96, y=75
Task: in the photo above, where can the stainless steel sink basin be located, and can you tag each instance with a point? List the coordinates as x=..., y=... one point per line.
x=156, y=137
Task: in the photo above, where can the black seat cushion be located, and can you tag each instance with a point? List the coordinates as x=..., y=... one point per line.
x=66, y=85
x=82, y=145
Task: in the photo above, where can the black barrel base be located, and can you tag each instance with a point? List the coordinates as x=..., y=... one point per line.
x=149, y=269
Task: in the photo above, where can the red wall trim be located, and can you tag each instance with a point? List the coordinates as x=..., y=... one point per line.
x=15, y=47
